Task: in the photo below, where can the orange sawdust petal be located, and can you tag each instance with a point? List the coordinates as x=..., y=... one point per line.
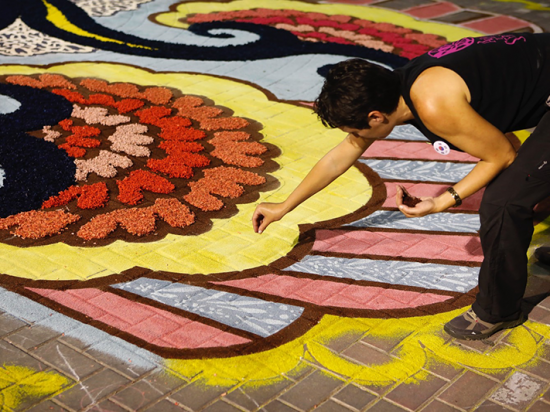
x=192, y=107
x=222, y=181
x=99, y=227
x=178, y=165
x=66, y=124
x=38, y=224
x=227, y=123
x=62, y=198
x=128, y=105
x=232, y=149
x=173, y=212
x=89, y=197
x=131, y=188
x=93, y=196
x=45, y=80
x=156, y=95
x=175, y=147
x=73, y=151
x=138, y=221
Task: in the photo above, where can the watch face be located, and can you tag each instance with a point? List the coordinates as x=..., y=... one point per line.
x=442, y=148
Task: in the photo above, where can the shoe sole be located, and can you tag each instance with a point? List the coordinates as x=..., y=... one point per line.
x=481, y=336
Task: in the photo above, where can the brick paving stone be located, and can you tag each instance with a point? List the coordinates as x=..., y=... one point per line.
x=138, y=395
x=367, y=355
x=341, y=343
x=122, y=366
x=10, y=355
x=33, y=401
x=106, y=406
x=384, y=344
x=519, y=391
x=47, y=406
x=540, y=406
x=9, y=323
x=164, y=406
x=489, y=406
x=92, y=390
x=460, y=17
x=277, y=406
x=540, y=368
x=544, y=352
x=444, y=369
x=468, y=390
x=300, y=372
x=331, y=406
x=196, y=395
x=438, y=406
x=401, y=4
x=250, y=397
x=480, y=346
x=66, y=359
x=80, y=344
x=303, y=398
x=354, y=396
x=546, y=396
x=544, y=303
x=540, y=314
x=245, y=400
x=385, y=406
x=221, y=406
x=413, y=394
x=31, y=337
x=148, y=390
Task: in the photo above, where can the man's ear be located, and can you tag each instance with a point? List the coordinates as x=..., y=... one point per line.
x=376, y=117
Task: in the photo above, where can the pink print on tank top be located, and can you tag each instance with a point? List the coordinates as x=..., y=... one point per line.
x=507, y=38
x=451, y=47
x=468, y=41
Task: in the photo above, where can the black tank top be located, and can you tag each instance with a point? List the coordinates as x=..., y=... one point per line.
x=508, y=77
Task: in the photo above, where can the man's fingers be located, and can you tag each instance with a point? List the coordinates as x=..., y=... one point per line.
x=398, y=196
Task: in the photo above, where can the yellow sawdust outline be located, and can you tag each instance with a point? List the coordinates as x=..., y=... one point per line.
x=422, y=343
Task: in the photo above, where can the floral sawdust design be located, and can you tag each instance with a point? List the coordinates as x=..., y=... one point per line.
x=149, y=161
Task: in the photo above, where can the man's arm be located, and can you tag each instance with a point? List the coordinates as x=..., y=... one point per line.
x=443, y=106
x=331, y=166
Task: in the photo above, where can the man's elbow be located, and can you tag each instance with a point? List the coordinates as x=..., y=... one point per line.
x=509, y=158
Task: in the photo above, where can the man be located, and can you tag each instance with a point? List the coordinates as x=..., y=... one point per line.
x=463, y=96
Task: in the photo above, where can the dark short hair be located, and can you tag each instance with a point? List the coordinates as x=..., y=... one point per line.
x=354, y=88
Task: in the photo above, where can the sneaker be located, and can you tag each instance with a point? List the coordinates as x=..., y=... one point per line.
x=469, y=326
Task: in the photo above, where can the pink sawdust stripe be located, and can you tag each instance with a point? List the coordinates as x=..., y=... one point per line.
x=156, y=326
x=335, y=294
x=413, y=150
x=399, y=244
x=430, y=11
x=471, y=203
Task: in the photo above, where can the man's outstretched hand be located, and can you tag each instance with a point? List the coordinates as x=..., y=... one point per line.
x=422, y=208
x=265, y=214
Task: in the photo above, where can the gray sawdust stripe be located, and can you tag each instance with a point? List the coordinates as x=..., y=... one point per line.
x=406, y=132
x=36, y=314
x=254, y=315
x=423, y=275
x=444, y=222
x=419, y=170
